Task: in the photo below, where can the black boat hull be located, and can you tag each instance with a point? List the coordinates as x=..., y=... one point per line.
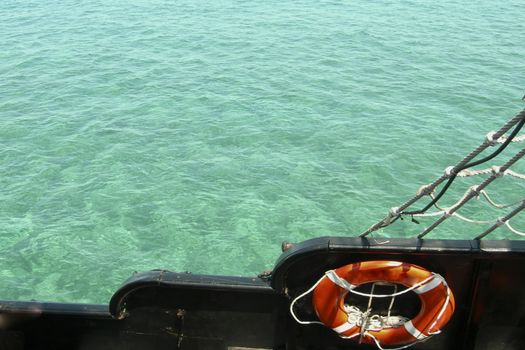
x=167, y=310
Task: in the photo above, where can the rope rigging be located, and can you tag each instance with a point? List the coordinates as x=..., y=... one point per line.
x=452, y=172
x=503, y=138
x=468, y=172
x=473, y=192
x=461, y=169
x=446, y=211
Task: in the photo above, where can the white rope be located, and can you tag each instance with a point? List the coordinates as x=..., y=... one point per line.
x=447, y=211
x=492, y=170
x=301, y=296
x=376, y=322
x=515, y=174
x=513, y=230
x=503, y=220
x=503, y=138
x=430, y=333
x=490, y=140
x=494, y=204
x=519, y=138
x=460, y=217
x=481, y=222
x=472, y=221
x=431, y=214
x=468, y=172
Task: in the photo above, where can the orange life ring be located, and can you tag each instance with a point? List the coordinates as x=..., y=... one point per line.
x=437, y=300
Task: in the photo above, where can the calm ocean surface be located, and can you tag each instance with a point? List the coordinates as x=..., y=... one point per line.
x=198, y=135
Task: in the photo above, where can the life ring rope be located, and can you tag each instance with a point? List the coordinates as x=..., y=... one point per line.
x=292, y=312
x=433, y=281
x=355, y=315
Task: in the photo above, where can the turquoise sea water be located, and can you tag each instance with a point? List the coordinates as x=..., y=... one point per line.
x=198, y=135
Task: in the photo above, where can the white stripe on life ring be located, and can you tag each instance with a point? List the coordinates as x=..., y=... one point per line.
x=413, y=330
x=341, y=282
x=344, y=327
x=436, y=281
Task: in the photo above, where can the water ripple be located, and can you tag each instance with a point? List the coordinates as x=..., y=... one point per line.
x=197, y=136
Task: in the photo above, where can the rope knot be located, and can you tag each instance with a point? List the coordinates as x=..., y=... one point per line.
x=449, y=171
x=489, y=139
x=394, y=211
x=500, y=221
x=424, y=190
x=496, y=170
x=374, y=322
x=392, y=214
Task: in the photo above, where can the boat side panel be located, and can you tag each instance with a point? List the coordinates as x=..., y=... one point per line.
x=166, y=310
